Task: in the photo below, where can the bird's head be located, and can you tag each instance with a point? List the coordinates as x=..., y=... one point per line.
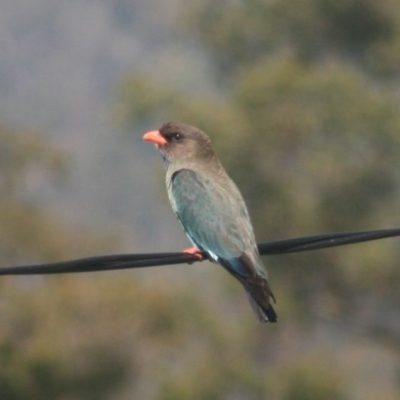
x=179, y=142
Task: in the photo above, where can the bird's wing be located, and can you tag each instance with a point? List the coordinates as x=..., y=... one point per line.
x=215, y=219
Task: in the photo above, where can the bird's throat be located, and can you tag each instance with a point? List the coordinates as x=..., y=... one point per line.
x=165, y=159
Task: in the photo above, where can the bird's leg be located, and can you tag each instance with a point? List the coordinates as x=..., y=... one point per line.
x=194, y=252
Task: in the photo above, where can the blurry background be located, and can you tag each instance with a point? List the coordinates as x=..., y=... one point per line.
x=301, y=100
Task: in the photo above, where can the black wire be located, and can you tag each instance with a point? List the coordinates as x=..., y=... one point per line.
x=101, y=263
x=125, y=261
x=324, y=241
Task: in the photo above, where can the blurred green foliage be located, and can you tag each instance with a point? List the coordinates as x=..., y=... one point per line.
x=305, y=117
x=42, y=354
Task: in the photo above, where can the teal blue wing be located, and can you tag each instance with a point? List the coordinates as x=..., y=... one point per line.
x=215, y=220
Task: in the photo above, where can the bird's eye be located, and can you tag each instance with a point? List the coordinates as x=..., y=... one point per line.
x=177, y=137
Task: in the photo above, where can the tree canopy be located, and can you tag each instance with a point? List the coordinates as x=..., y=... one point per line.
x=305, y=118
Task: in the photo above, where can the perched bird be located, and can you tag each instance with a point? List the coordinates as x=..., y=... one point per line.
x=211, y=210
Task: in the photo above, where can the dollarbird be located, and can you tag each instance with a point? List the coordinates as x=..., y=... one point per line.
x=211, y=210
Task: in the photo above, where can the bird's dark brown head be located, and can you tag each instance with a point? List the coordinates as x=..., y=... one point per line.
x=179, y=142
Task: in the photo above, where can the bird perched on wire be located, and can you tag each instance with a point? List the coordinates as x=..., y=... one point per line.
x=211, y=210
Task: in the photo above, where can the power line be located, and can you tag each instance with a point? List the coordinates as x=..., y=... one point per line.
x=126, y=261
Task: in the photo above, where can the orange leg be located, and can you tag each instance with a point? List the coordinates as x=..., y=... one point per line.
x=194, y=252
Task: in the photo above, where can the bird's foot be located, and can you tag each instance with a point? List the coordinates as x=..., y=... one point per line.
x=194, y=252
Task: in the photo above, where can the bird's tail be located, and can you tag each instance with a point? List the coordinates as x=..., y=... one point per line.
x=260, y=296
x=264, y=314
x=257, y=289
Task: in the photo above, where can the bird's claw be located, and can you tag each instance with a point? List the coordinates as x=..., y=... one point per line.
x=194, y=252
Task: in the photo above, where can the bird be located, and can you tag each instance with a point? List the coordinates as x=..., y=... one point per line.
x=212, y=211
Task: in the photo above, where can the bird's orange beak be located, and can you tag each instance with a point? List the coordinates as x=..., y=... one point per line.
x=155, y=137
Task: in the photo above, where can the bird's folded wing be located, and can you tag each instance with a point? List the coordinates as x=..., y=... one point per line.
x=215, y=220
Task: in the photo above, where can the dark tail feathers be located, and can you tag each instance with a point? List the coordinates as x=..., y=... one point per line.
x=264, y=314
x=258, y=291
